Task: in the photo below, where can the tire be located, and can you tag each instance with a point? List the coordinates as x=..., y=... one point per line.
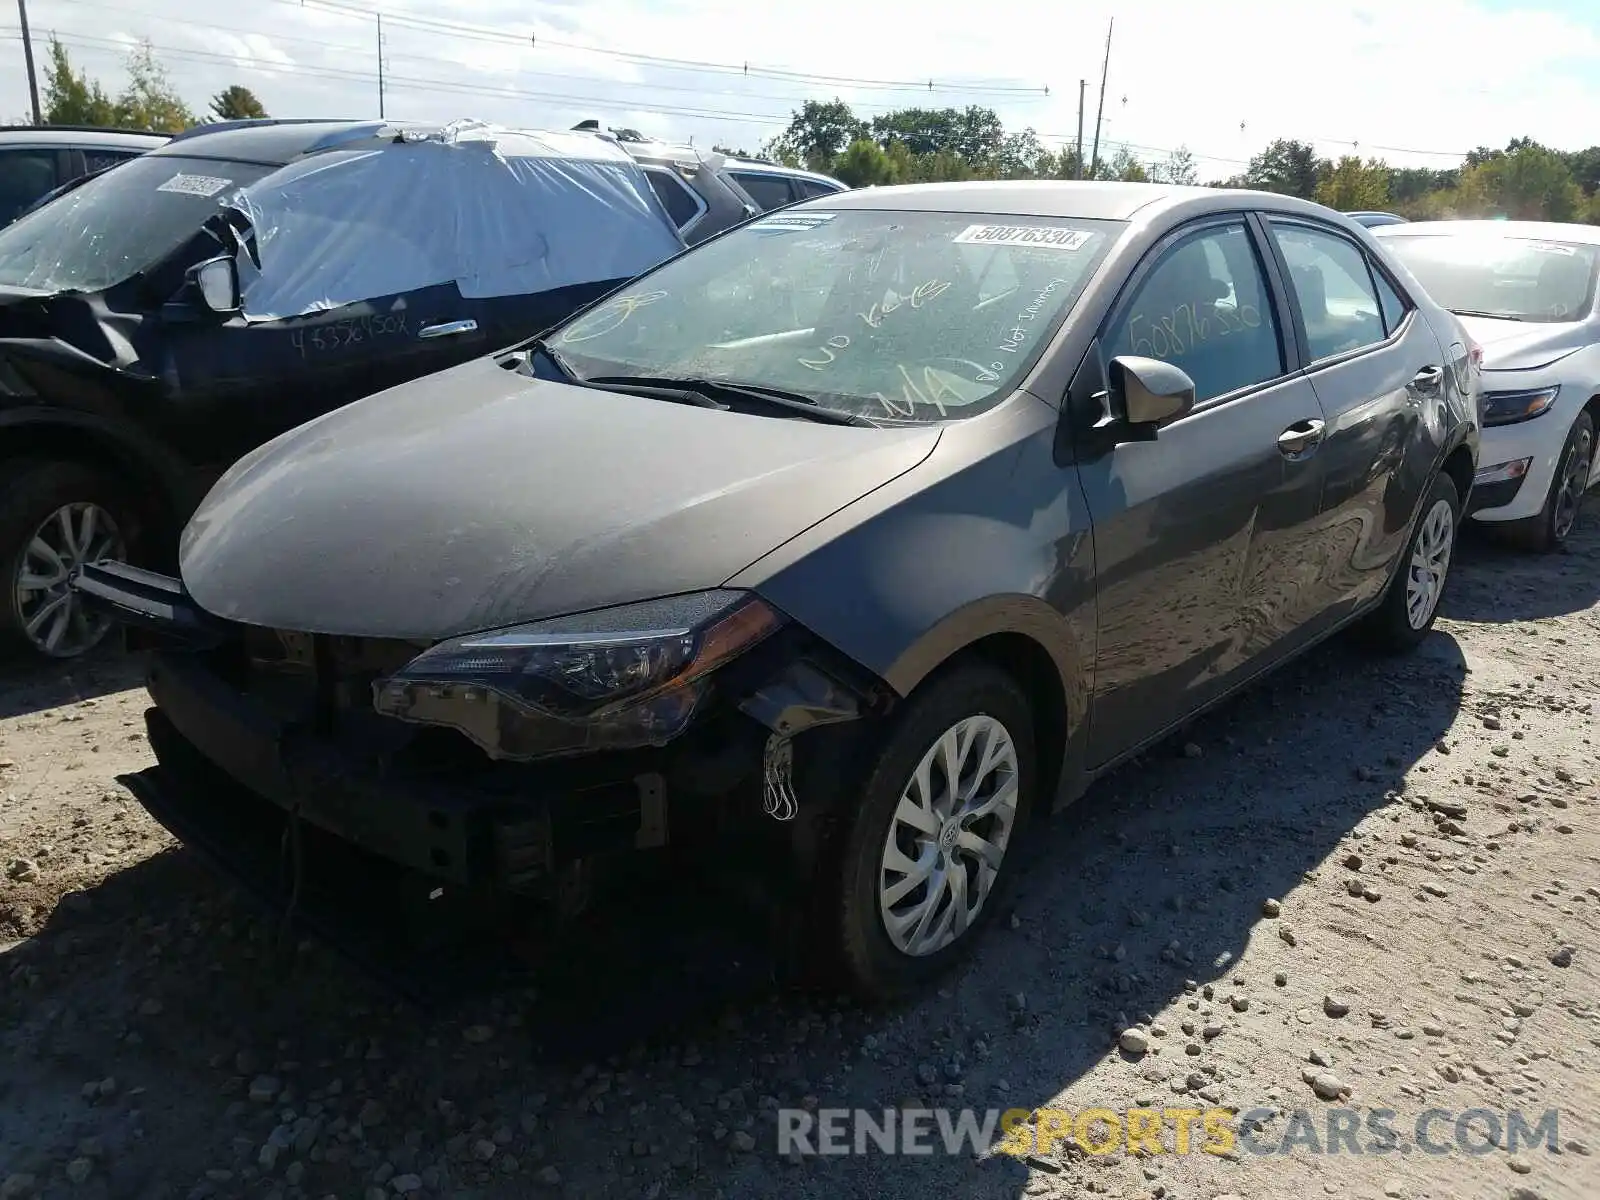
x=986, y=703
x=32, y=497
x=1393, y=627
x=1556, y=520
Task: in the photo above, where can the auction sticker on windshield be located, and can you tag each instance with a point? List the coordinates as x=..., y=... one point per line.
x=194, y=185
x=794, y=221
x=1049, y=236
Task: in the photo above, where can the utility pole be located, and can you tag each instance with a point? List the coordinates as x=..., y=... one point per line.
x=1104, y=71
x=380, y=64
x=27, y=55
x=1082, y=85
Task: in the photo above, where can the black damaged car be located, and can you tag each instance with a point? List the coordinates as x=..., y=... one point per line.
x=166, y=316
x=821, y=557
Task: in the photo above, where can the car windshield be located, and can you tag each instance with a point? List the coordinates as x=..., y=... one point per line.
x=119, y=223
x=1520, y=279
x=892, y=315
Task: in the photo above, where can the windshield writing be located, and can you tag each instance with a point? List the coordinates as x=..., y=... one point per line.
x=892, y=315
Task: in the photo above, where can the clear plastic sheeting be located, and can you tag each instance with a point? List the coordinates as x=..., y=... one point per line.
x=498, y=212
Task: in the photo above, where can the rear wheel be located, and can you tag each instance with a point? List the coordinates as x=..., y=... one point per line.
x=929, y=852
x=1409, y=607
x=56, y=516
x=1559, y=515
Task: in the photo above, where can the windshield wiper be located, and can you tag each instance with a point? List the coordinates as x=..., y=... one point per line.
x=1495, y=316
x=710, y=389
x=677, y=391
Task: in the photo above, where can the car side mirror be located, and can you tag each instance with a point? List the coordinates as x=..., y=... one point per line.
x=217, y=281
x=1146, y=393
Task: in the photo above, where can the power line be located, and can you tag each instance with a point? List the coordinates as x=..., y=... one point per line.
x=458, y=87
x=485, y=33
x=391, y=57
x=393, y=82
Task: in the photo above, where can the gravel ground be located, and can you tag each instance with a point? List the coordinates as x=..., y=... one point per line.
x=1374, y=881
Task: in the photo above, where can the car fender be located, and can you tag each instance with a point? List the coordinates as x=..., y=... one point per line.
x=32, y=430
x=932, y=577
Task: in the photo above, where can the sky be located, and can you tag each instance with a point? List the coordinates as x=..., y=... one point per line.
x=1417, y=82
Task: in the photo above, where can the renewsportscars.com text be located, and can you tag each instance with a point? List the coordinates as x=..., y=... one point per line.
x=1021, y=1132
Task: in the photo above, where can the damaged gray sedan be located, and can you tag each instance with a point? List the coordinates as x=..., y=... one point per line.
x=825, y=555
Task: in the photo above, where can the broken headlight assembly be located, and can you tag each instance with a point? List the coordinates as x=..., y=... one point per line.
x=614, y=679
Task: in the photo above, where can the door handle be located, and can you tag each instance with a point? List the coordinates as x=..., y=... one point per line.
x=1428, y=379
x=448, y=329
x=1301, y=437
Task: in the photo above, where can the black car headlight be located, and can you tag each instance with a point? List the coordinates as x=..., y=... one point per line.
x=615, y=679
x=1508, y=408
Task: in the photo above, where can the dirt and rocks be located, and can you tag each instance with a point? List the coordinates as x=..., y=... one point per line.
x=1366, y=885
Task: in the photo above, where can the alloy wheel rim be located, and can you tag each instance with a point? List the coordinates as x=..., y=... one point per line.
x=53, y=616
x=1430, y=562
x=948, y=836
x=1569, y=494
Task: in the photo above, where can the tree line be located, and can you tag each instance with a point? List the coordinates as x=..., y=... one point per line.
x=1524, y=181
x=148, y=102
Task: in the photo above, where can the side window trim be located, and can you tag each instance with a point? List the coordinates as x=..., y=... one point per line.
x=701, y=207
x=1289, y=355
x=1381, y=276
x=1309, y=364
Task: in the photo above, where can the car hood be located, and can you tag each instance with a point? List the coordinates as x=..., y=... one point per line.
x=479, y=497
x=1525, y=345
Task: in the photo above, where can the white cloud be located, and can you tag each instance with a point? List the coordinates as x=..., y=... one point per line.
x=1441, y=75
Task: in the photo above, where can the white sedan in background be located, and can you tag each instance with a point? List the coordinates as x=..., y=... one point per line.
x=1526, y=292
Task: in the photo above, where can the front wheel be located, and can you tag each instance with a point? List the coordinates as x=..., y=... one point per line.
x=926, y=856
x=1409, y=607
x=54, y=517
x=1556, y=519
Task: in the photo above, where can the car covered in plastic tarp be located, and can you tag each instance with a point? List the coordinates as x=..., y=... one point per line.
x=166, y=316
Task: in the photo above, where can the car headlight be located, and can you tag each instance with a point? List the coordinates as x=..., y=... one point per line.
x=615, y=679
x=1508, y=408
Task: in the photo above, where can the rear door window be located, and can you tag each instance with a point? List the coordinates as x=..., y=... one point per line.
x=1333, y=289
x=25, y=175
x=682, y=205
x=769, y=191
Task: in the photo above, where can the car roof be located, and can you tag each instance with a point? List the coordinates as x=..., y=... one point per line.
x=1550, y=231
x=1060, y=198
x=80, y=135
x=279, y=142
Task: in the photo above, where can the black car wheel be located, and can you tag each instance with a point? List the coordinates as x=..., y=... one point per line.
x=53, y=517
x=1411, y=603
x=925, y=860
x=1561, y=504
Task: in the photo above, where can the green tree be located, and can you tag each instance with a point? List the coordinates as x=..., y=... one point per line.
x=1285, y=166
x=864, y=164
x=236, y=103
x=70, y=96
x=1021, y=156
x=1351, y=185
x=1527, y=182
x=1123, y=166
x=1178, y=167
x=818, y=133
x=150, y=101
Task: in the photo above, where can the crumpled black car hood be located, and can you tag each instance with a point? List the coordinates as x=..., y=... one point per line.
x=479, y=498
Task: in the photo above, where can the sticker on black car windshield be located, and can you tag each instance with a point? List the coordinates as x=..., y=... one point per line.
x=1051, y=237
x=782, y=221
x=195, y=185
